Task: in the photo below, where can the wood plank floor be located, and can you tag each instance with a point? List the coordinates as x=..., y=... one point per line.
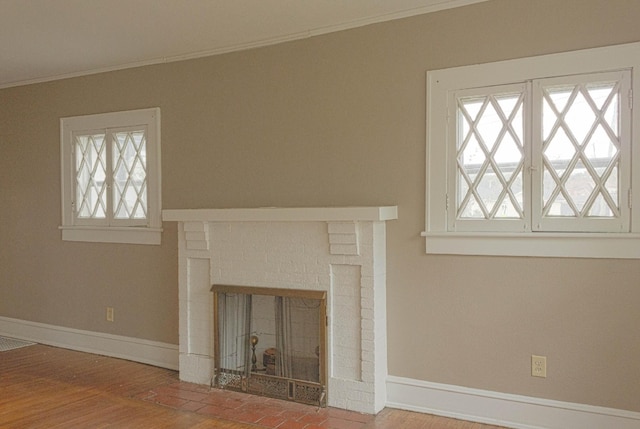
x=48, y=387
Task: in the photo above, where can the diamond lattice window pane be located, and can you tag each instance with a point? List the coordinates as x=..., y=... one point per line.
x=472, y=210
x=489, y=126
x=508, y=156
x=581, y=149
x=560, y=207
x=559, y=150
x=129, y=175
x=600, y=208
x=600, y=150
x=91, y=185
x=599, y=93
x=579, y=118
x=490, y=156
x=472, y=155
x=579, y=185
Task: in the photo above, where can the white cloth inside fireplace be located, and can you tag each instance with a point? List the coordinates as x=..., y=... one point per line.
x=287, y=327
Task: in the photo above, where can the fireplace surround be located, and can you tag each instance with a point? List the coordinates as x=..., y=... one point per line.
x=337, y=250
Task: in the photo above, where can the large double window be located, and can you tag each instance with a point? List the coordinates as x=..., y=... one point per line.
x=111, y=182
x=533, y=156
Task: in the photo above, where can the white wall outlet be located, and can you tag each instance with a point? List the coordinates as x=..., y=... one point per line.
x=538, y=366
x=109, y=314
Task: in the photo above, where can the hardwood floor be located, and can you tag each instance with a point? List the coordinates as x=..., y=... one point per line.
x=48, y=387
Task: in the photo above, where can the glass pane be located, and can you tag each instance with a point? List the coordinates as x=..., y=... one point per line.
x=498, y=128
x=579, y=185
x=559, y=97
x=90, y=158
x=489, y=126
x=611, y=115
x=612, y=186
x=560, y=207
x=600, y=92
x=508, y=156
x=559, y=150
x=600, y=208
x=489, y=188
x=472, y=155
x=472, y=210
x=507, y=103
x=129, y=175
x=473, y=106
x=600, y=148
x=507, y=210
x=549, y=184
x=517, y=190
x=580, y=117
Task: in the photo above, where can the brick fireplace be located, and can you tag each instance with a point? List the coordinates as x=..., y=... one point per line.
x=341, y=251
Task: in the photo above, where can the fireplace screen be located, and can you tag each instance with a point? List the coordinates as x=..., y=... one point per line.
x=271, y=342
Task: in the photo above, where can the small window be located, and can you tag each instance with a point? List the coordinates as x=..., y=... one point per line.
x=111, y=177
x=534, y=156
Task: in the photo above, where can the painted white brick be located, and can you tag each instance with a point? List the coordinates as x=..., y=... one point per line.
x=194, y=226
x=301, y=255
x=342, y=227
x=343, y=239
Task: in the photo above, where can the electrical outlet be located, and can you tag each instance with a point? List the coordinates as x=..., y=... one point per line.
x=109, y=314
x=538, y=366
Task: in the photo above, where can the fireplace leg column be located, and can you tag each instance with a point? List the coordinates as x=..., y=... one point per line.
x=195, y=302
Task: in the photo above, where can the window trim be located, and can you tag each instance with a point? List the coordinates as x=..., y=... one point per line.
x=150, y=233
x=571, y=244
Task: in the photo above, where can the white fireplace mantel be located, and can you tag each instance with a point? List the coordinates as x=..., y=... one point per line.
x=283, y=214
x=339, y=250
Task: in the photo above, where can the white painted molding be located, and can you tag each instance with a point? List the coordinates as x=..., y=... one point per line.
x=514, y=411
x=283, y=214
x=155, y=353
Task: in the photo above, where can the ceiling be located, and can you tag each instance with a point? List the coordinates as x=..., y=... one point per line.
x=42, y=40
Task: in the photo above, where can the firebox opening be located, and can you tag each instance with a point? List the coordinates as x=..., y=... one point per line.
x=271, y=342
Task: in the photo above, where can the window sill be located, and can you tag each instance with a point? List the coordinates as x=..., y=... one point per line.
x=127, y=235
x=556, y=245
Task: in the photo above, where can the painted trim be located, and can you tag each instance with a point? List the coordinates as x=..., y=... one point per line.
x=154, y=353
x=440, y=83
x=513, y=411
x=283, y=214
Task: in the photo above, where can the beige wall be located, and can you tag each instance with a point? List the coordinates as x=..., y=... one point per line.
x=332, y=120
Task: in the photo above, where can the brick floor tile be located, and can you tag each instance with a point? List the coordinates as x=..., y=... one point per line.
x=247, y=417
x=336, y=423
x=271, y=421
x=293, y=415
x=192, y=406
x=212, y=410
x=292, y=424
x=350, y=415
x=313, y=418
x=169, y=401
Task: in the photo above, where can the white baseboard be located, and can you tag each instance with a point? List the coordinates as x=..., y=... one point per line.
x=514, y=411
x=154, y=353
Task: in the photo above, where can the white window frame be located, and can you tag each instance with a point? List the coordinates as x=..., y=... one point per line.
x=441, y=83
x=139, y=231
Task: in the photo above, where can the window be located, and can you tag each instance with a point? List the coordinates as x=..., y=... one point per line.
x=534, y=156
x=111, y=177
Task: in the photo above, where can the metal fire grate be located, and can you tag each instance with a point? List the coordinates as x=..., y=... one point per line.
x=274, y=387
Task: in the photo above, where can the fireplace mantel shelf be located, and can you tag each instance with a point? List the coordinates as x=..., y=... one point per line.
x=283, y=214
